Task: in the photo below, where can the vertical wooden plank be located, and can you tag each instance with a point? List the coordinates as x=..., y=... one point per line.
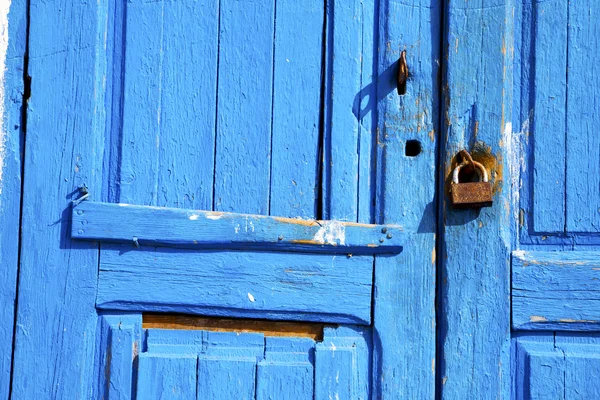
x=188, y=104
x=226, y=378
x=13, y=15
x=343, y=79
x=227, y=366
x=118, y=347
x=57, y=282
x=142, y=102
x=296, y=108
x=244, y=106
x=287, y=370
x=474, y=311
x=541, y=374
x=167, y=376
x=364, y=109
x=549, y=118
x=334, y=378
x=581, y=365
x=583, y=118
x=404, y=293
x=343, y=363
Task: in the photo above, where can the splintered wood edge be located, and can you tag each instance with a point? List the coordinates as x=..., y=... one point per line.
x=268, y=328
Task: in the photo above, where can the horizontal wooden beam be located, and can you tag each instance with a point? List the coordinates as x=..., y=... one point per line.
x=556, y=290
x=240, y=284
x=145, y=225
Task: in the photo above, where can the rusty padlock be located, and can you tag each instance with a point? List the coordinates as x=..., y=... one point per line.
x=471, y=194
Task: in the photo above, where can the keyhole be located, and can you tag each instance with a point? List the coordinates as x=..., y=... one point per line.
x=413, y=148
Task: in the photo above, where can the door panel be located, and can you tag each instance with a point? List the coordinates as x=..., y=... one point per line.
x=208, y=364
x=555, y=266
x=266, y=107
x=564, y=367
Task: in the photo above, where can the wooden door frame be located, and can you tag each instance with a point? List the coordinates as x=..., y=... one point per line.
x=13, y=94
x=66, y=139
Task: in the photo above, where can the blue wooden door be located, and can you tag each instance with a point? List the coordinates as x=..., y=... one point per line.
x=518, y=285
x=221, y=199
x=236, y=199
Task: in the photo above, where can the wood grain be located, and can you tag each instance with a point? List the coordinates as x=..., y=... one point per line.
x=109, y=222
x=266, y=285
x=13, y=41
x=474, y=280
x=404, y=301
x=556, y=290
x=267, y=328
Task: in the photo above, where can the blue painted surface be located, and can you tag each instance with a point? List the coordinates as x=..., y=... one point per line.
x=285, y=111
x=559, y=366
x=404, y=337
x=11, y=149
x=215, y=365
x=556, y=290
x=554, y=269
x=224, y=283
x=215, y=230
x=474, y=279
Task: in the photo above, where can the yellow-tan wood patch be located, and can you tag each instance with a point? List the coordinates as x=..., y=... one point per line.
x=268, y=328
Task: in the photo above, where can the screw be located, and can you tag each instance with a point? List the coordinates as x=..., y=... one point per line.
x=280, y=237
x=389, y=235
x=381, y=240
x=79, y=212
x=383, y=230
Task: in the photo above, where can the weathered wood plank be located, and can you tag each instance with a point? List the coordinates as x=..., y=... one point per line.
x=286, y=372
x=474, y=296
x=170, y=54
x=564, y=367
x=175, y=227
x=296, y=108
x=142, y=92
x=343, y=79
x=583, y=118
x=549, y=118
x=343, y=363
x=13, y=38
x=167, y=376
x=404, y=300
x=188, y=90
x=119, y=345
x=539, y=371
x=582, y=363
x=226, y=378
x=237, y=284
x=65, y=127
x=556, y=290
x=244, y=106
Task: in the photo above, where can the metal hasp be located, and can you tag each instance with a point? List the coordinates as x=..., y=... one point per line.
x=470, y=194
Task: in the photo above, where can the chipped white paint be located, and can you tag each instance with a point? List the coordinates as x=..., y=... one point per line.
x=4, y=7
x=237, y=228
x=519, y=253
x=332, y=232
x=213, y=216
x=123, y=204
x=536, y=318
x=194, y=217
x=250, y=297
